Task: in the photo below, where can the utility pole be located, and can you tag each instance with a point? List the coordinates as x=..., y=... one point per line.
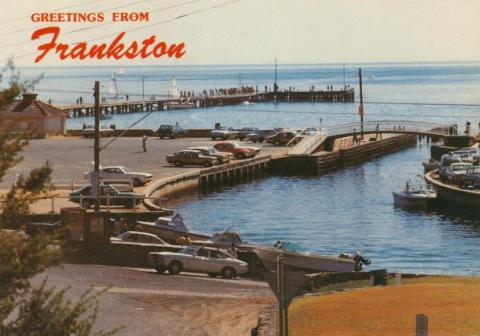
x=360, y=108
x=96, y=149
x=275, y=86
x=344, y=75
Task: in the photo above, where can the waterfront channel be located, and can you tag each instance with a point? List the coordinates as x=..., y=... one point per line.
x=344, y=211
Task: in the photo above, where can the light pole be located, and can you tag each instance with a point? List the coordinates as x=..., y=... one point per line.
x=360, y=108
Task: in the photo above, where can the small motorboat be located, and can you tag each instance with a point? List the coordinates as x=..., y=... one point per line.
x=414, y=198
x=246, y=102
x=308, y=262
x=172, y=228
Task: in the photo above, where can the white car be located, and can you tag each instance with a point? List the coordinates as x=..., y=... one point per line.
x=121, y=174
x=313, y=131
x=198, y=259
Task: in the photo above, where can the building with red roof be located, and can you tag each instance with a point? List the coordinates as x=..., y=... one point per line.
x=30, y=114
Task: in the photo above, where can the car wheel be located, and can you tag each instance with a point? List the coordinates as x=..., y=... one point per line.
x=86, y=204
x=228, y=273
x=161, y=137
x=219, y=161
x=174, y=268
x=213, y=138
x=178, y=164
x=137, y=182
x=160, y=269
x=207, y=164
x=212, y=275
x=261, y=140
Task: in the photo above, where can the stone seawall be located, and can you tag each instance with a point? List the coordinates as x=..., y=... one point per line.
x=323, y=162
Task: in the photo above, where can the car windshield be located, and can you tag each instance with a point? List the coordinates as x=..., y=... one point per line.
x=125, y=169
x=189, y=250
x=211, y=150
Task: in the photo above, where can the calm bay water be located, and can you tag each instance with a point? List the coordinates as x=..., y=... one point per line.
x=348, y=210
x=431, y=83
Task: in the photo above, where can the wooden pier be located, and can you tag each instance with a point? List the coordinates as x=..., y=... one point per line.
x=162, y=104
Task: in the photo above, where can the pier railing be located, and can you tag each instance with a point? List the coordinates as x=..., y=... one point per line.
x=392, y=126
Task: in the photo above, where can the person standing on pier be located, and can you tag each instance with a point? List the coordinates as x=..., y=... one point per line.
x=144, y=143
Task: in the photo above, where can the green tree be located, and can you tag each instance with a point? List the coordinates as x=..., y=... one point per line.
x=26, y=309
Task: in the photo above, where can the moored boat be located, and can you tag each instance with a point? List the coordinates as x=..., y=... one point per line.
x=414, y=198
x=310, y=263
x=170, y=229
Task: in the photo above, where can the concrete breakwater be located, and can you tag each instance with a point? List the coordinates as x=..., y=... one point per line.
x=452, y=195
x=207, y=178
x=245, y=170
x=324, y=161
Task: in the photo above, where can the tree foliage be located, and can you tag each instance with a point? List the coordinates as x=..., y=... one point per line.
x=26, y=309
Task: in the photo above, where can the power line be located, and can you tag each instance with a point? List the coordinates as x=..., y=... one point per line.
x=53, y=10
x=87, y=9
x=425, y=104
x=106, y=24
x=144, y=27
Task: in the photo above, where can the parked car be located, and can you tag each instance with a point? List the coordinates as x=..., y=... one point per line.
x=260, y=135
x=244, y=132
x=239, y=152
x=104, y=131
x=471, y=178
x=171, y=131
x=454, y=172
x=198, y=259
x=222, y=157
x=467, y=154
x=191, y=157
x=120, y=174
x=313, y=131
x=449, y=158
x=282, y=138
x=139, y=237
x=224, y=133
x=115, y=197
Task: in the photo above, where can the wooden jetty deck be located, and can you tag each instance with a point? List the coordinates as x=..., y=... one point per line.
x=161, y=104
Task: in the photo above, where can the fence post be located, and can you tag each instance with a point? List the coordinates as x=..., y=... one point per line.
x=53, y=204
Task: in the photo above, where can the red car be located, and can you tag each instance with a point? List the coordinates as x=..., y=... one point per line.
x=239, y=152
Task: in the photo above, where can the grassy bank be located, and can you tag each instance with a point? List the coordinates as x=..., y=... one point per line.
x=451, y=303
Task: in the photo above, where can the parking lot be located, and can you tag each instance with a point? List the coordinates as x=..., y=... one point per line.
x=71, y=157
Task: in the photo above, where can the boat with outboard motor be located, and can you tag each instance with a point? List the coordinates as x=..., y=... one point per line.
x=421, y=197
x=308, y=262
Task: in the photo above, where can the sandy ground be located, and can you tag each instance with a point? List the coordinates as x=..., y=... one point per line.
x=147, y=303
x=452, y=305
